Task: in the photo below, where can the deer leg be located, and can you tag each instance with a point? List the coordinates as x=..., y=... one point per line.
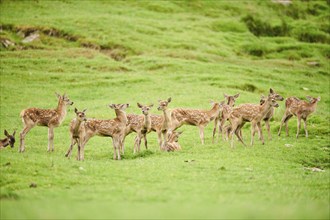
x=282, y=122
x=222, y=123
x=159, y=135
x=201, y=134
x=73, y=142
x=22, y=138
x=122, y=148
x=234, y=128
x=260, y=133
x=238, y=135
x=165, y=139
x=216, y=125
x=253, y=131
x=145, y=141
x=268, y=129
x=305, y=126
x=298, y=125
x=50, y=139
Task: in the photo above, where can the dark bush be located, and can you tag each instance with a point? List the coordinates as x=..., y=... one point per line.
x=261, y=28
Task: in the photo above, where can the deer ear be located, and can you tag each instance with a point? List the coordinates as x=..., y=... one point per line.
x=75, y=110
x=57, y=95
x=84, y=110
x=14, y=133
x=318, y=99
x=236, y=96
x=113, y=106
x=271, y=91
x=151, y=105
x=225, y=95
x=211, y=102
x=6, y=133
x=139, y=105
x=309, y=98
x=180, y=132
x=169, y=99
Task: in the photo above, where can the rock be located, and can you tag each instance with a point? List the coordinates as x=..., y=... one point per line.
x=282, y=2
x=314, y=169
x=33, y=185
x=313, y=63
x=7, y=43
x=31, y=38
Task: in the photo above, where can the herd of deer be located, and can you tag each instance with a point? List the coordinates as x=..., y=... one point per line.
x=83, y=128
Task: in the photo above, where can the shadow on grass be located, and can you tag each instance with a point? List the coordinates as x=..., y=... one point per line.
x=142, y=154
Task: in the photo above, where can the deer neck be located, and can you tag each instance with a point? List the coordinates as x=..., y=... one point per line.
x=167, y=118
x=264, y=108
x=76, y=126
x=147, y=121
x=61, y=110
x=121, y=116
x=214, y=112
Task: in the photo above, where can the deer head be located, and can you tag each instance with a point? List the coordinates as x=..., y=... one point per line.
x=64, y=99
x=145, y=108
x=230, y=100
x=313, y=100
x=80, y=115
x=174, y=136
x=163, y=104
x=274, y=95
x=11, y=138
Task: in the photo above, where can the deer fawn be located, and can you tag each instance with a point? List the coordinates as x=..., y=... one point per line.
x=50, y=118
x=166, y=128
x=76, y=130
x=141, y=124
x=173, y=142
x=299, y=108
x=9, y=140
x=270, y=114
x=199, y=118
x=221, y=119
x=249, y=113
x=114, y=128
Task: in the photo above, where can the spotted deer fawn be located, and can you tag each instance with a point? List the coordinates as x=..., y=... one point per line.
x=114, y=128
x=166, y=126
x=173, y=142
x=50, y=118
x=141, y=124
x=199, y=118
x=221, y=119
x=76, y=130
x=9, y=140
x=270, y=114
x=299, y=108
x=249, y=113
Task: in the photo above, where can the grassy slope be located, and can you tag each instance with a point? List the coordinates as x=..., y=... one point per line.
x=193, y=51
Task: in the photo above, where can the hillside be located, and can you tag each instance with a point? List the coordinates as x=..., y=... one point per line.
x=102, y=52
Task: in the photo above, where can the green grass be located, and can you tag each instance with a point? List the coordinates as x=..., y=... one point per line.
x=102, y=52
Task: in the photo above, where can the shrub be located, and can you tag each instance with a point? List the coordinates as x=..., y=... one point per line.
x=261, y=28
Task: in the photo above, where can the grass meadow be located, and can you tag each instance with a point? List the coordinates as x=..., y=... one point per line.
x=102, y=52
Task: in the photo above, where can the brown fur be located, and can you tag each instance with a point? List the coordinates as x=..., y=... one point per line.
x=50, y=118
x=114, y=128
x=9, y=140
x=173, y=142
x=76, y=130
x=199, y=118
x=224, y=114
x=299, y=108
x=249, y=113
x=141, y=124
x=166, y=127
x=270, y=114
